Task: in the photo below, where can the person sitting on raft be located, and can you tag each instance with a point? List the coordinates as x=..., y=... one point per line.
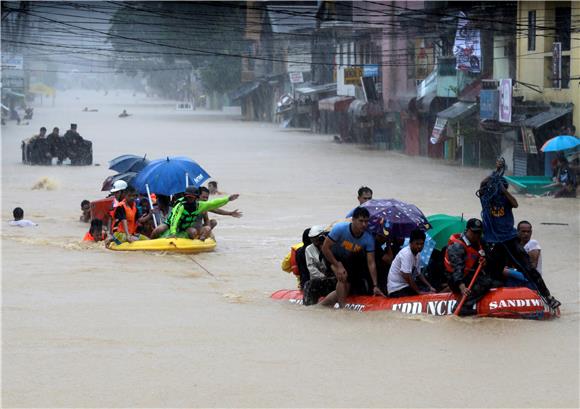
x=321, y=280
x=123, y=114
x=404, y=273
x=463, y=256
x=186, y=213
x=349, y=248
x=124, y=226
x=96, y=232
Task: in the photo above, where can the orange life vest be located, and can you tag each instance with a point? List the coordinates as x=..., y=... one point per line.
x=89, y=237
x=471, y=255
x=131, y=216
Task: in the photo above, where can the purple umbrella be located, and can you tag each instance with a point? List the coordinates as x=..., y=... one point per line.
x=394, y=218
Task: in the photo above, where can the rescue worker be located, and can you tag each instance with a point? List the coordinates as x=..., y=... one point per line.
x=463, y=256
x=124, y=226
x=187, y=212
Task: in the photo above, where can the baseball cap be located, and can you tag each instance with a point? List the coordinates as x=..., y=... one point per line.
x=118, y=185
x=474, y=225
x=316, y=231
x=191, y=191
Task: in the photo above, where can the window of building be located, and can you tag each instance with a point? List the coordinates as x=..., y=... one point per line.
x=532, y=30
x=563, y=26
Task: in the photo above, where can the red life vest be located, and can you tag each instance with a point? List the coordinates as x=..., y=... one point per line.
x=131, y=216
x=471, y=255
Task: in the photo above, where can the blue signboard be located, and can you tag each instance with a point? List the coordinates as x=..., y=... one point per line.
x=371, y=70
x=489, y=104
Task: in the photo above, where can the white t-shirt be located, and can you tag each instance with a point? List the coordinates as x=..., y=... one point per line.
x=404, y=262
x=22, y=223
x=534, y=245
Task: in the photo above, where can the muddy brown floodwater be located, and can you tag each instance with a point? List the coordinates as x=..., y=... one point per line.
x=86, y=327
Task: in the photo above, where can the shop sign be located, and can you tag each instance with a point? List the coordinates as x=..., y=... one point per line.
x=489, y=104
x=352, y=75
x=438, y=130
x=296, y=77
x=505, y=100
x=557, y=65
x=371, y=70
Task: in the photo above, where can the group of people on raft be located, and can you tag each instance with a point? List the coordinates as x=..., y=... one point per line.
x=349, y=260
x=136, y=217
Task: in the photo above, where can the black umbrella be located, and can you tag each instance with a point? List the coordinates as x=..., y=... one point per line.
x=127, y=177
x=128, y=163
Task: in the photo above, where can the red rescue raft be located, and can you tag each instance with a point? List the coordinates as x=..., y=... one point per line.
x=516, y=302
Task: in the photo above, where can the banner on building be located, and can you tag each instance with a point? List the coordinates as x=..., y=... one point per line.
x=352, y=75
x=557, y=65
x=438, y=129
x=489, y=104
x=505, y=100
x=467, y=46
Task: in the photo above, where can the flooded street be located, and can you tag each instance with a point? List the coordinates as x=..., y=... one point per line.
x=87, y=327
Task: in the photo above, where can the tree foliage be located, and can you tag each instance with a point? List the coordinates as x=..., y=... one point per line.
x=167, y=41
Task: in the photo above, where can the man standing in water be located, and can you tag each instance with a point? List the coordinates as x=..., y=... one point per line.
x=364, y=194
x=498, y=226
x=349, y=249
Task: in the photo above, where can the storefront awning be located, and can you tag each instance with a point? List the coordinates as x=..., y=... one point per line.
x=458, y=111
x=15, y=94
x=335, y=104
x=316, y=89
x=546, y=117
x=244, y=90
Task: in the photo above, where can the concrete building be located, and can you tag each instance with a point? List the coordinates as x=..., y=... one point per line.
x=547, y=23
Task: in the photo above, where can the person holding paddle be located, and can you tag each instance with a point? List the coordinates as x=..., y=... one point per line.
x=464, y=258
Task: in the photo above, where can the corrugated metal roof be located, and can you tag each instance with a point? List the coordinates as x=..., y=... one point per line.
x=458, y=111
x=316, y=89
x=546, y=117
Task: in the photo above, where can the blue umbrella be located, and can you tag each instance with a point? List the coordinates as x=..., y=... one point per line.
x=394, y=218
x=560, y=143
x=168, y=176
x=128, y=163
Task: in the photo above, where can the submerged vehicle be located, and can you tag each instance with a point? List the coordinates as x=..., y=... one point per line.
x=513, y=302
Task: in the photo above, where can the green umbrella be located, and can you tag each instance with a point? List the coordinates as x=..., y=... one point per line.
x=443, y=226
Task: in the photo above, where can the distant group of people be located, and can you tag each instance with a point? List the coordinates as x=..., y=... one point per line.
x=348, y=259
x=41, y=149
x=137, y=217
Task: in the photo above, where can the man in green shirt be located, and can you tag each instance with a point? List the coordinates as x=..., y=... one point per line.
x=186, y=212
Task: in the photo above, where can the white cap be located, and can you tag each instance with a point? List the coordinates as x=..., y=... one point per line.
x=118, y=185
x=316, y=231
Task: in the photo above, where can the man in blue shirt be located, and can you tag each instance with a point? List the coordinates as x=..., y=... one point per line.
x=499, y=231
x=345, y=248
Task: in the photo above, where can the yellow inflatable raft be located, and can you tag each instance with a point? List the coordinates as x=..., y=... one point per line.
x=174, y=245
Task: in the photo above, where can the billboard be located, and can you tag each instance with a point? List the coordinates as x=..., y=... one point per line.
x=505, y=100
x=467, y=46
